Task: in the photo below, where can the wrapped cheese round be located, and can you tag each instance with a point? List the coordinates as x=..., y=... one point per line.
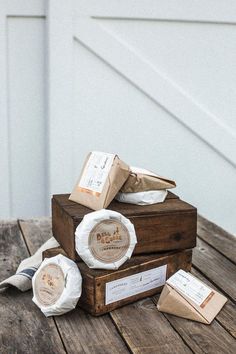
x=142, y=198
x=105, y=239
x=57, y=285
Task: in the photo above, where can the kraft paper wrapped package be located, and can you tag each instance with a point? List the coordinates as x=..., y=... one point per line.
x=144, y=187
x=185, y=296
x=105, y=239
x=57, y=285
x=102, y=176
x=141, y=180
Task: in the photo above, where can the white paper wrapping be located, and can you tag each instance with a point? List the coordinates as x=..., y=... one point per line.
x=142, y=198
x=105, y=239
x=57, y=285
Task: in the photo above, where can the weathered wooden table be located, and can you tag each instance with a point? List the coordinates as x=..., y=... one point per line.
x=136, y=328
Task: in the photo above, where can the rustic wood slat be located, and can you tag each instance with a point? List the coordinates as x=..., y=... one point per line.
x=204, y=338
x=142, y=327
x=21, y=331
x=227, y=316
x=146, y=330
x=83, y=333
x=215, y=267
x=38, y=231
x=80, y=332
x=218, y=238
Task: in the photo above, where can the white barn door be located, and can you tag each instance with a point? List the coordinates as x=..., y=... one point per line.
x=153, y=81
x=23, y=121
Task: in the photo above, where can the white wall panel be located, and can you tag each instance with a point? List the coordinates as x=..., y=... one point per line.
x=26, y=115
x=199, y=57
x=112, y=115
x=153, y=83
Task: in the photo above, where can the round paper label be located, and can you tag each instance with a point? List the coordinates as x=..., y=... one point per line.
x=109, y=241
x=49, y=284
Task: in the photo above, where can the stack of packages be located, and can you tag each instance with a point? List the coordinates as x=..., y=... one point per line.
x=123, y=253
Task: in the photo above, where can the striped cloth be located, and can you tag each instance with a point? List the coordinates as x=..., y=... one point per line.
x=24, y=274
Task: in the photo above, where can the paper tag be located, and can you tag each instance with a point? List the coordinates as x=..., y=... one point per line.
x=96, y=171
x=135, y=284
x=109, y=241
x=49, y=284
x=190, y=287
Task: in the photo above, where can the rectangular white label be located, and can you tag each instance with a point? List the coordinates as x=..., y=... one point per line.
x=96, y=171
x=189, y=286
x=135, y=284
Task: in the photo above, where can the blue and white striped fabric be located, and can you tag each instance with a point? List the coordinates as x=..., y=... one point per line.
x=25, y=272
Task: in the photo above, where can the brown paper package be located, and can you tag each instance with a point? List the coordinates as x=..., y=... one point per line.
x=117, y=176
x=177, y=304
x=139, y=182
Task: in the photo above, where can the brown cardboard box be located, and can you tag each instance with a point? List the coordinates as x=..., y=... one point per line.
x=101, y=178
x=186, y=296
x=139, y=277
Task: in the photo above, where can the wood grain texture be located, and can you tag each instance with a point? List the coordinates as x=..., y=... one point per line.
x=218, y=238
x=170, y=225
x=12, y=248
x=83, y=333
x=138, y=327
x=203, y=338
x=174, y=262
x=38, y=231
x=146, y=330
x=93, y=298
x=77, y=328
x=78, y=211
x=63, y=199
x=227, y=316
x=216, y=267
x=24, y=329
x=218, y=337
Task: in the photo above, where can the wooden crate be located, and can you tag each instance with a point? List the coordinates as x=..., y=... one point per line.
x=139, y=270
x=167, y=226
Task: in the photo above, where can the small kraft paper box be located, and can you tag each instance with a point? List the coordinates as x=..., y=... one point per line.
x=171, y=225
x=186, y=296
x=140, y=277
x=102, y=176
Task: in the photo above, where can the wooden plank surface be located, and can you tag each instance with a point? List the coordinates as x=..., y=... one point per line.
x=37, y=231
x=216, y=267
x=204, y=338
x=215, y=338
x=83, y=333
x=138, y=328
x=227, y=316
x=218, y=238
x=146, y=330
x=21, y=331
x=80, y=332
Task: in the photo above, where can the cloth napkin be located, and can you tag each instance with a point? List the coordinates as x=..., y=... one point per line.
x=24, y=274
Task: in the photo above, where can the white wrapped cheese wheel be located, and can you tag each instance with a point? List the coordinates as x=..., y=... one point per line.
x=105, y=239
x=142, y=198
x=57, y=285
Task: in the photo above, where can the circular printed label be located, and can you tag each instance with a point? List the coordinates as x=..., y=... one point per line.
x=109, y=241
x=49, y=284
